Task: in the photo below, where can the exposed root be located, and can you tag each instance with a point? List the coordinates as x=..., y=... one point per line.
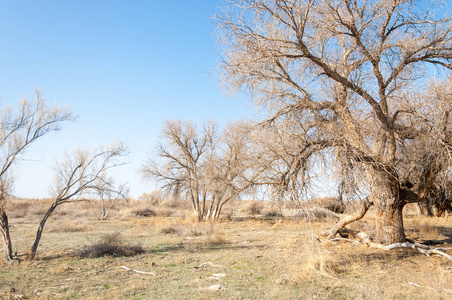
x=349, y=219
x=424, y=249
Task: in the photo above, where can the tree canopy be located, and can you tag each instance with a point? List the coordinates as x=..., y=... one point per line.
x=354, y=78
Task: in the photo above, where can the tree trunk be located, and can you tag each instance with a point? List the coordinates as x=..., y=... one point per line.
x=389, y=224
x=35, y=245
x=106, y=211
x=4, y=229
x=384, y=189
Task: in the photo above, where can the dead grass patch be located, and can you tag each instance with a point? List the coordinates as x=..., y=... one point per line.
x=68, y=225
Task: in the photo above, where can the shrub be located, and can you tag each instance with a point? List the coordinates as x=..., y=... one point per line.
x=332, y=204
x=110, y=245
x=143, y=212
x=254, y=208
x=216, y=239
x=315, y=213
x=153, y=198
x=273, y=213
x=170, y=230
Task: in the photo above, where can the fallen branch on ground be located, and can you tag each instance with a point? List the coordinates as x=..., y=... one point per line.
x=427, y=252
x=343, y=239
x=136, y=271
x=424, y=249
x=349, y=219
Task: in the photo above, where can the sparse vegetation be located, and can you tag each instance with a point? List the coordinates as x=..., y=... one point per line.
x=245, y=255
x=355, y=104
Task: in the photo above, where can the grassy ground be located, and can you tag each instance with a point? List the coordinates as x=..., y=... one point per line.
x=246, y=259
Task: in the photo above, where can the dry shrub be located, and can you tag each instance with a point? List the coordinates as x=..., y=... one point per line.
x=152, y=198
x=172, y=202
x=194, y=232
x=273, y=212
x=333, y=204
x=315, y=213
x=37, y=209
x=19, y=209
x=253, y=208
x=110, y=245
x=215, y=239
x=167, y=212
x=154, y=204
x=143, y=212
x=170, y=230
x=184, y=229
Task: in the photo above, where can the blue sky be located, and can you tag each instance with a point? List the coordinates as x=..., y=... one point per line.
x=124, y=67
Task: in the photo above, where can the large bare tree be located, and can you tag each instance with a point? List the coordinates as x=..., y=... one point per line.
x=205, y=167
x=349, y=77
x=19, y=128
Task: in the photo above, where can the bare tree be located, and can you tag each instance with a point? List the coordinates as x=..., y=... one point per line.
x=113, y=197
x=19, y=128
x=347, y=78
x=207, y=168
x=83, y=176
x=234, y=168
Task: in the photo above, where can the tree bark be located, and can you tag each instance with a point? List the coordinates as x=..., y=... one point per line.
x=389, y=224
x=385, y=194
x=35, y=245
x=4, y=229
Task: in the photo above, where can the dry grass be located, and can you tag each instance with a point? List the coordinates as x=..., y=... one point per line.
x=255, y=258
x=68, y=225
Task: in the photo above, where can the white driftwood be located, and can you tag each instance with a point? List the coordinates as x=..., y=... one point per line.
x=429, y=251
x=424, y=249
x=136, y=271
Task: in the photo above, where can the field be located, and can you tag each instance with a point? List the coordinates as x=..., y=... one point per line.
x=252, y=254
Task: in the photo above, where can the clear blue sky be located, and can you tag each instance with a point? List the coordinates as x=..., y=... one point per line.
x=123, y=66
